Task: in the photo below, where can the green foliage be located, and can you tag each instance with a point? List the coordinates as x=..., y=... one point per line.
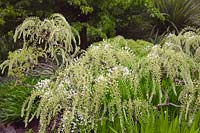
x=83, y=5
x=87, y=6
x=21, y=61
x=53, y=39
x=187, y=43
x=8, y=11
x=111, y=17
x=12, y=97
x=5, y=48
x=139, y=47
x=113, y=82
x=178, y=14
x=91, y=89
x=162, y=123
x=104, y=18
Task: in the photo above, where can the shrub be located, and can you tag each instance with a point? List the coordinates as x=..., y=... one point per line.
x=115, y=84
x=139, y=47
x=178, y=14
x=98, y=85
x=187, y=43
x=171, y=72
x=47, y=45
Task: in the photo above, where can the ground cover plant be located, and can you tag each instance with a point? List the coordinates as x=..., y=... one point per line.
x=116, y=85
x=12, y=97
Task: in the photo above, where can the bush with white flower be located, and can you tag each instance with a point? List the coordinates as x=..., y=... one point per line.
x=112, y=81
x=98, y=85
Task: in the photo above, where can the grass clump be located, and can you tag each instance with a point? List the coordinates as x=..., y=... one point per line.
x=12, y=97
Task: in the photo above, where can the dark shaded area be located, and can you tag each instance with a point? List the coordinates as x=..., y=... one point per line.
x=19, y=127
x=107, y=20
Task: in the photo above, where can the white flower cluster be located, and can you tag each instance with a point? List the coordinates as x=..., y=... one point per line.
x=168, y=44
x=125, y=71
x=65, y=81
x=95, y=47
x=127, y=50
x=154, y=53
x=42, y=84
x=119, y=69
x=101, y=78
x=104, y=45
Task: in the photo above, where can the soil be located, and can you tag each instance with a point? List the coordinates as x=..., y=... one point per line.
x=19, y=127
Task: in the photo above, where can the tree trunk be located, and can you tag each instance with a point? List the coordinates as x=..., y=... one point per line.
x=83, y=38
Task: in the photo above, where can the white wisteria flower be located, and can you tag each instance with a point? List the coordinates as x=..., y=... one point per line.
x=125, y=71
x=100, y=78
x=154, y=53
x=42, y=84
x=168, y=44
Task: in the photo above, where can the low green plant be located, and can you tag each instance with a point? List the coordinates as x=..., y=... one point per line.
x=162, y=122
x=12, y=97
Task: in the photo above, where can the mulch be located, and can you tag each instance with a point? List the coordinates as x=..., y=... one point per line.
x=19, y=127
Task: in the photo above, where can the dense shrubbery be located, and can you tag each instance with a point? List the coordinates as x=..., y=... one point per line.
x=98, y=85
x=110, y=82
x=116, y=85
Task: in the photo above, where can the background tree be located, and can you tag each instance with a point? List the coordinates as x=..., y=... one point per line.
x=93, y=19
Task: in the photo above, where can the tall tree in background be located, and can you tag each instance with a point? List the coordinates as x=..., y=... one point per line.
x=94, y=19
